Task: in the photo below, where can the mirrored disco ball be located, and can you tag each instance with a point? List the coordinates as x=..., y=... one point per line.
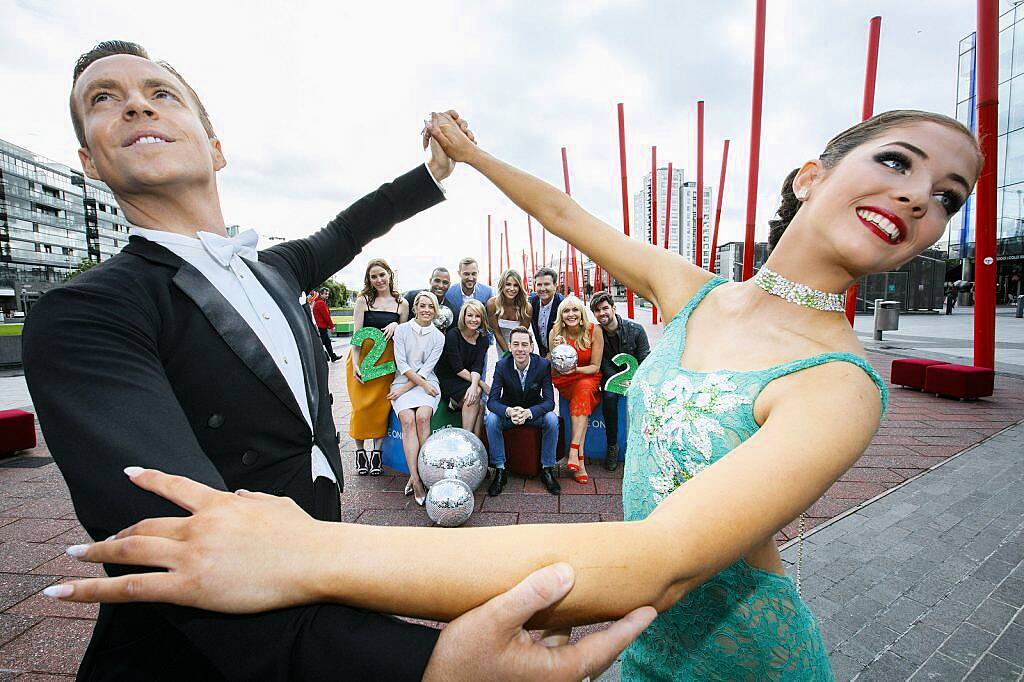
x=444, y=318
x=453, y=453
x=449, y=502
x=563, y=358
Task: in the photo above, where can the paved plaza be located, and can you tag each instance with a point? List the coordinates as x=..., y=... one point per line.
x=912, y=561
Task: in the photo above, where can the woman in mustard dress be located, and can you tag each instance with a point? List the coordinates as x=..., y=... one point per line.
x=379, y=305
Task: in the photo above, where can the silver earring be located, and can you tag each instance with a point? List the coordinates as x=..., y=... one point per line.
x=802, y=195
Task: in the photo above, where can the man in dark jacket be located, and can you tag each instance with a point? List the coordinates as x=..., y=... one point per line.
x=522, y=395
x=545, y=301
x=210, y=370
x=620, y=336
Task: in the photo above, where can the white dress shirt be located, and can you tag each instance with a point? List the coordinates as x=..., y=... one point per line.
x=243, y=291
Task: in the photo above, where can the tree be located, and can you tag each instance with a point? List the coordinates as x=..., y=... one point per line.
x=83, y=265
x=338, y=293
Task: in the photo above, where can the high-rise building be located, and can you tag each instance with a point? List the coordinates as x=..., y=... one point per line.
x=641, y=227
x=689, y=220
x=959, y=240
x=51, y=219
x=682, y=214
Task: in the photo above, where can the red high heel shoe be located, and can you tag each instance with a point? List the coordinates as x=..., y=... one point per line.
x=582, y=479
x=569, y=465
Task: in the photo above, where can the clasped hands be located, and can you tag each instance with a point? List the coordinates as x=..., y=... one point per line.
x=238, y=553
x=518, y=415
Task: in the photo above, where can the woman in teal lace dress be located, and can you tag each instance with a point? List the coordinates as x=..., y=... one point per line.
x=754, y=402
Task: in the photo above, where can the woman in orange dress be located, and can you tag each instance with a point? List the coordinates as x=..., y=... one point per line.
x=379, y=305
x=582, y=386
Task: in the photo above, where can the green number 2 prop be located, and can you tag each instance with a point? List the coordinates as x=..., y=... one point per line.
x=618, y=383
x=369, y=367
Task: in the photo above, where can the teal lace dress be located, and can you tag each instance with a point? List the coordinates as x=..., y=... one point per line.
x=745, y=623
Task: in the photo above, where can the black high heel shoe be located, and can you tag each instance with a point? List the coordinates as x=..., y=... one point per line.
x=362, y=465
x=375, y=462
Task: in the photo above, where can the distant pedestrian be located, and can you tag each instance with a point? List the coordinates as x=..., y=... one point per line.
x=322, y=317
x=950, y=299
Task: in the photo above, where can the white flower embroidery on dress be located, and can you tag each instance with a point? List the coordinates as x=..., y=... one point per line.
x=678, y=424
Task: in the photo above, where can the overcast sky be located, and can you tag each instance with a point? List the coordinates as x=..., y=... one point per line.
x=317, y=103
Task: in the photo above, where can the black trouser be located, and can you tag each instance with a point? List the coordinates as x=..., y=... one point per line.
x=325, y=336
x=949, y=305
x=610, y=407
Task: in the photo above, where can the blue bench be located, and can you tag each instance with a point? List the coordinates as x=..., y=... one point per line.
x=597, y=442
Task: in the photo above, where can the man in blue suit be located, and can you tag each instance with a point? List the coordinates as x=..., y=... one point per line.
x=522, y=394
x=545, y=304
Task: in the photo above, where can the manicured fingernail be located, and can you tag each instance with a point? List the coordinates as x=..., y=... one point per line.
x=59, y=591
x=77, y=550
x=240, y=491
x=133, y=471
x=112, y=537
x=565, y=573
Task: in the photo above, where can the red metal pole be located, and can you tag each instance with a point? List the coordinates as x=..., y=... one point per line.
x=700, y=185
x=654, y=215
x=718, y=209
x=625, y=195
x=867, y=109
x=489, y=251
x=755, y=140
x=560, y=269
x=508, y=258
x=533, y=254
x=985, y=264
x=526, y=278
x=501, y=241
x=543, y=245
x=572, y=247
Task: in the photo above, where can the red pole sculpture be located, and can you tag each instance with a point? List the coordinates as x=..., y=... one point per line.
x=718, y=209
x=508, y=258
x=526, y=278
x=543, y=245
x=533, y=254
x=489, y=250
x=565, y=176
x=559, y=269
x=501, y=241
x=700, y=184
x=985, y=264
x=867, y=109
x=654, y=215
x=755, y=140
x=625, y=195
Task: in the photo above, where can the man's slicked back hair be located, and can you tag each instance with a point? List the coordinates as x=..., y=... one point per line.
x=109, y=48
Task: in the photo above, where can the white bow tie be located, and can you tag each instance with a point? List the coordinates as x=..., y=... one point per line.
x=224, y=248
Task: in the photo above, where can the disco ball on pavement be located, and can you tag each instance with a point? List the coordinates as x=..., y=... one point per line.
x=563, y=358
x=453, y=453
x=449, y=502
x=444, y=318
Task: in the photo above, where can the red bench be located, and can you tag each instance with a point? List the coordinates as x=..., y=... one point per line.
x=910, y=372
x=959, y=381
x=17, y=431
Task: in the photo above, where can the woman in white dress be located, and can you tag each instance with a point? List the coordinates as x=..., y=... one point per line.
x=508, y=308
x=415, y=391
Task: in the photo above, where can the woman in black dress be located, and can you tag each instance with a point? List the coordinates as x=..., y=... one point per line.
x=462, y=364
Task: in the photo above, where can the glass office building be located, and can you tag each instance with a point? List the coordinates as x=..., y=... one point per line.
x=1010, y=171
x=51, y=218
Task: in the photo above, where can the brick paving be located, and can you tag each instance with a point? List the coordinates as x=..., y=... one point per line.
x=927, y=582
x=39, y=638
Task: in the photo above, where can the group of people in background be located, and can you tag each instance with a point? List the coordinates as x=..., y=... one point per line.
x=433, y=364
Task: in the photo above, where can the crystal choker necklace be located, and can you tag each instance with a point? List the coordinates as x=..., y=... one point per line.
x=801, y=294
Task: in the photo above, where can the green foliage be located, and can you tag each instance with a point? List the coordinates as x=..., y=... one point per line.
x=339, y=293
x=83, y=265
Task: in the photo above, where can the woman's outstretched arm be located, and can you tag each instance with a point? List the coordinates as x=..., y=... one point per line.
x=250, y=552
x=640, y=266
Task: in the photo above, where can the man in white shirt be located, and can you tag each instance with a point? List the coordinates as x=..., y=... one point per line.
x=210, y=370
